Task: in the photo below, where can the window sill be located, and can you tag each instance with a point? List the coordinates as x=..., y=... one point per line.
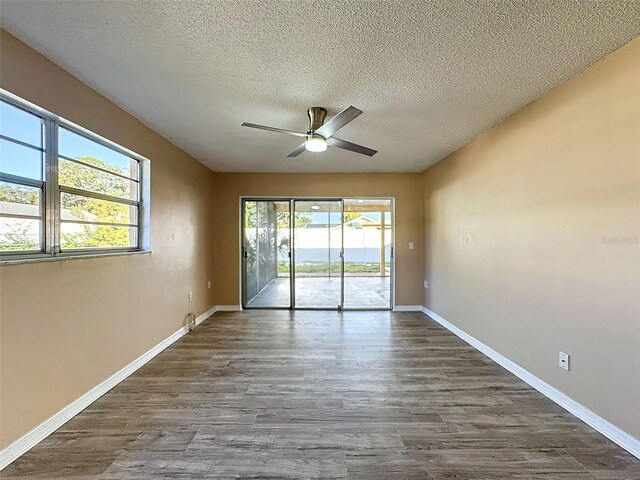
x=69, y=256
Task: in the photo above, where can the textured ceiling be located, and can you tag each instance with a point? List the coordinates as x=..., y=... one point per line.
x=429, y=76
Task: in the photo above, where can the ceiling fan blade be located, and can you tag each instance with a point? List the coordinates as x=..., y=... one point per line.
x=273, y=129
x=352, y=147
x=339, y=121
x=297, y=151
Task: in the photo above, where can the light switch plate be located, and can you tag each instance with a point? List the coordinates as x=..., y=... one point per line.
x=410, y=245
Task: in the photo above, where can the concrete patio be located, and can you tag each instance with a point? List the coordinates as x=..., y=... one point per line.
x=324, y=292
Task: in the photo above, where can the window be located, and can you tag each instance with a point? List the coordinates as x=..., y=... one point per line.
x=64, y=190
x=22, y=187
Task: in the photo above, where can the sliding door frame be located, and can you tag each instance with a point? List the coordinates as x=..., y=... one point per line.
x=340, y=305
x=392, y=251
x=291, y=201
x=243, y=256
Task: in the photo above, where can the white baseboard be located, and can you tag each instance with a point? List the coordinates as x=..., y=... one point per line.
x=606, y=428
x=228, y=308
x=46, y=428
x=407, y=308
x=205, y=315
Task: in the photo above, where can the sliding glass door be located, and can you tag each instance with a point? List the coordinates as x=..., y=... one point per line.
x=317, y=253
x=367, y=233
x=266, y=237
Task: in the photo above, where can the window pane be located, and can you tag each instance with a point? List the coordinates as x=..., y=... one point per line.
x=81, y=148
x=20, y=160
x=87, y=209
x=19, y=199
x=20, y=125
x=17, y=234
x=85, y=235
x=74, y=175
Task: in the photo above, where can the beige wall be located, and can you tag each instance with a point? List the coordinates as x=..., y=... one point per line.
x=532, y=236
x=406, y=189
x=65, y=326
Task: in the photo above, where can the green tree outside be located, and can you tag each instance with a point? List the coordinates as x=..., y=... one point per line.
x=94, y=210
x=78, y=208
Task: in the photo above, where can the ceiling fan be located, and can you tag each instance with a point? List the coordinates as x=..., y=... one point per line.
x=320, y=135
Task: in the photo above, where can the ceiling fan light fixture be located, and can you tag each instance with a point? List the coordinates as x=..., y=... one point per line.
x=315, y=144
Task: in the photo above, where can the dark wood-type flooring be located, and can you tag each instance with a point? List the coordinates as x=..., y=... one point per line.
x=359, y=395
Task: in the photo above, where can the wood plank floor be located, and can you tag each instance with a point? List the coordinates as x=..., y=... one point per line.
x=359, y=395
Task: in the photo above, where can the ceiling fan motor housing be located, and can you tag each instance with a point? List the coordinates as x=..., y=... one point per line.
x=316, y=118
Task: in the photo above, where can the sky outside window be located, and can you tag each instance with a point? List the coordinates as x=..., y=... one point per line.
x=27, y=162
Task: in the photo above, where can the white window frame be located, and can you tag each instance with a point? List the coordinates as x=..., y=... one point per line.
x=50, y=204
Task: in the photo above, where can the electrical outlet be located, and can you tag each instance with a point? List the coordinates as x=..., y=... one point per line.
x=563, y=360
x=426, y=284
x=190, y=295
x=209, y=284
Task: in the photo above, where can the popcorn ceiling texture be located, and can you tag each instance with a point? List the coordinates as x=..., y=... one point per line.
x=430, y=76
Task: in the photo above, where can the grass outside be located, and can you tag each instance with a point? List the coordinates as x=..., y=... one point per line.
x=349, y=267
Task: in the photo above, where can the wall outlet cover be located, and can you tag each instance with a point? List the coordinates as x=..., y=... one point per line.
x=563, y=360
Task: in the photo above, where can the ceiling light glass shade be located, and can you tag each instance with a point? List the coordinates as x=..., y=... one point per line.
x=316, y=144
